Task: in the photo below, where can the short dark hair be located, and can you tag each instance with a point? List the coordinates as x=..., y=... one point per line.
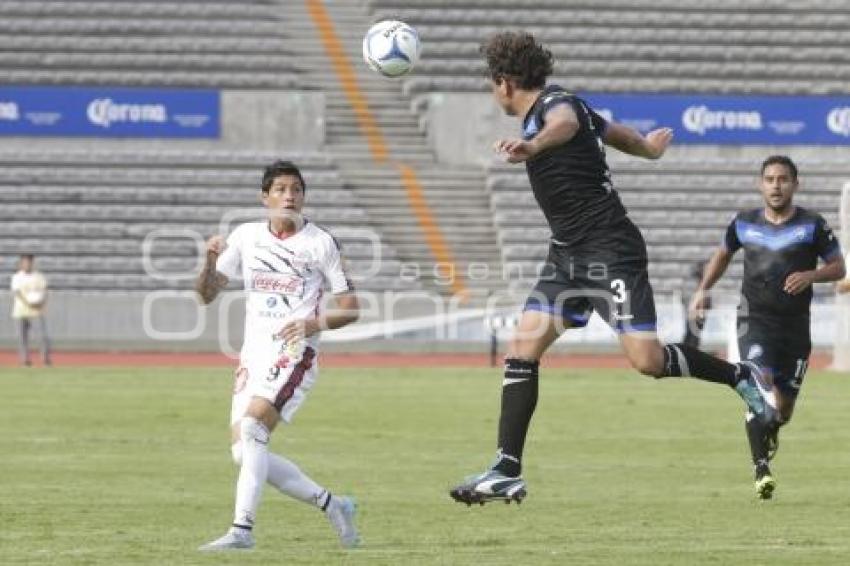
x=27, y=256
x=780, y=160
x=279, y=168
x=517, y=56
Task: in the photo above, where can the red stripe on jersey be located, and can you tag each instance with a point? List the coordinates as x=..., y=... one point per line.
x=295, y=378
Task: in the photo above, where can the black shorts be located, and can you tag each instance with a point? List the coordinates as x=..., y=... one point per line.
x=781, y=345
x=607, y=274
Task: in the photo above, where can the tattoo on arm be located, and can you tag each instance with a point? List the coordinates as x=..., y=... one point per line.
x=210, y=281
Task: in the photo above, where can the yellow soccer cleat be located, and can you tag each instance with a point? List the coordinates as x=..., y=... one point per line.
x=765, y=486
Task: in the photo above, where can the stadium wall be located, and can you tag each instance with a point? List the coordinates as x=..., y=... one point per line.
x=174, y=321
x=484, y=122
x=250, y=120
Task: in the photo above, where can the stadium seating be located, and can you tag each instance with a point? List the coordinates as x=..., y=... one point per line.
x=682, y=215
x=88, y=214
x=627, y=46
x=197, y=43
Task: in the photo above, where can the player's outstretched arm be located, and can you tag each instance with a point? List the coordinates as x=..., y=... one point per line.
x=628, y=140
x=560, y=127
x=210, y=282
x=714, y=270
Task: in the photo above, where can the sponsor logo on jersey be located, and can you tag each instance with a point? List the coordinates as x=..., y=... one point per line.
x=9, y=111
x=271, y=314
x=530, y=129
x=755, y=351
x=271, y=302
x=701, y=119
x=277, y=283
x=104, y=112
x=774, y=238
x=838, y=121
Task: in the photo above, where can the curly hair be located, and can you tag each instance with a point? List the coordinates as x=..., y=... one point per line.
x=517, y=56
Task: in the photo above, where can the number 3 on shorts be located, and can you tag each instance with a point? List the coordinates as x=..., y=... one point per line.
x=618, y=288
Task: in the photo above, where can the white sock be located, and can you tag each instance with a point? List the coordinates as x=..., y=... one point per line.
x=254, y=471
x=288, y=478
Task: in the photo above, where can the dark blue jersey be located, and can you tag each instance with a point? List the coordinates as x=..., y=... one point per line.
x=774, y=251
x=571, y=182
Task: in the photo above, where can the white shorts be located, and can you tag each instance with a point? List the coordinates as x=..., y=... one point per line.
x=285, y=384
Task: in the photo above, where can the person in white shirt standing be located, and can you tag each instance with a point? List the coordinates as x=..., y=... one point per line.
x=284, y=262
x=29, y=290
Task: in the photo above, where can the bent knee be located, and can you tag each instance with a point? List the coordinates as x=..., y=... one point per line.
x=518, y=351
x=648, y=366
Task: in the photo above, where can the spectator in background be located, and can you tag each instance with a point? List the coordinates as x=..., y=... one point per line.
x=29, y=290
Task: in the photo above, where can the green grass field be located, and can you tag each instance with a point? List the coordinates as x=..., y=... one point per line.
x=132, y=466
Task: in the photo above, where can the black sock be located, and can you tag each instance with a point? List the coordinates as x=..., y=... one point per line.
x=519, y=399
x=681, y=360
x=757, y=436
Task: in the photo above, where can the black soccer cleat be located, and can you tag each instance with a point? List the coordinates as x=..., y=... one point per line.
x=491, y=485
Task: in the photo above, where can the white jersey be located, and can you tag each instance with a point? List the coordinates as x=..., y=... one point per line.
x=283, y=281
x=33, y=286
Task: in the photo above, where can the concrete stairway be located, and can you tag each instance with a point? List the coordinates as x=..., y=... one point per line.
x=461, y=208
x=456, y=196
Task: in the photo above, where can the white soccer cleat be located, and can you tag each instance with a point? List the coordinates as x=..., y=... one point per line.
x=234, y=539
x=340, y=513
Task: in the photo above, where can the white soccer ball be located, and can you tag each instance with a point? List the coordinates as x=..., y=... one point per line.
x=391, y=48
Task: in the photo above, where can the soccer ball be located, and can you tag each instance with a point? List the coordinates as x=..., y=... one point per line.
x=391, y=48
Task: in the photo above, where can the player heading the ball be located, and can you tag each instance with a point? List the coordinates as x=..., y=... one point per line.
x=562, y=144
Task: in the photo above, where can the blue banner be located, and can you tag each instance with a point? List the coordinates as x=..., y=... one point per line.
x=109, y=112
x=740, y=120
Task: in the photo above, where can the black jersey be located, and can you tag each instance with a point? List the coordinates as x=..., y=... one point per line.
x=571, y=182
x=774, y=251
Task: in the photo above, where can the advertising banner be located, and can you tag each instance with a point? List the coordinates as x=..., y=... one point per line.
x=109, y=112
x=739, y=120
